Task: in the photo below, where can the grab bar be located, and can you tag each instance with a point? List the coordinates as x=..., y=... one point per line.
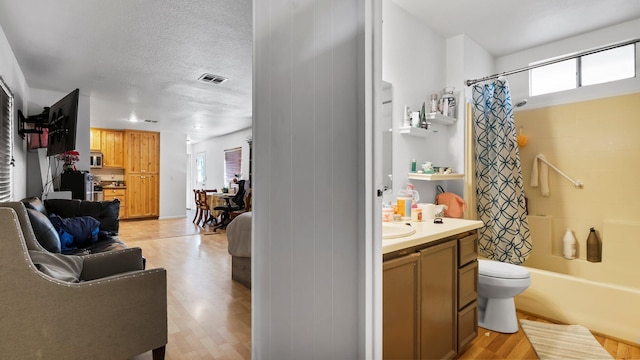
x=576, y=183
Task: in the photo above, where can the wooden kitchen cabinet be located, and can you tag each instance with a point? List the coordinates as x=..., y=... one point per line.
x=401, y=307
x=142, y=173
x=120, y=194
x=142, y=195
x=142, y=151
x=112, y=149
x=95, y=140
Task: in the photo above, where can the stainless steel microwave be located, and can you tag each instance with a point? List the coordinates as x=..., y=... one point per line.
x=95, y=161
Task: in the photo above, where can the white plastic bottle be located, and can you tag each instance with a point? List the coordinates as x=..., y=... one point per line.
x=569, y=242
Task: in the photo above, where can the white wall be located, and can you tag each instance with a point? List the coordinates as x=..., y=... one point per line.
x=519, y=83
x=173, y=175
x=413, y=61
x=465, y=60
x=214, y=157
x=14, y=78
x=308, y=278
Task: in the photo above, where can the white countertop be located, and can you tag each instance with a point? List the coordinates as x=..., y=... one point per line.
x=427, y=231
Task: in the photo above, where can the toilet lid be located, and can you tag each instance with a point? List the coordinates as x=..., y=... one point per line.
x=501, y=270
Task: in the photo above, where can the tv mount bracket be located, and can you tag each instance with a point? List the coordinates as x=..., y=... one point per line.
x=39, y=122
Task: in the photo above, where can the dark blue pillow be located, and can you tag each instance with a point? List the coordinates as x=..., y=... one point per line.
x=77, y=231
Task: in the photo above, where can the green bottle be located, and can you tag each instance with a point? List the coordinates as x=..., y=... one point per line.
x=594, y=247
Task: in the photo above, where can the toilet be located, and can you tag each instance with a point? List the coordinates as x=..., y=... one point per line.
x=498, y=283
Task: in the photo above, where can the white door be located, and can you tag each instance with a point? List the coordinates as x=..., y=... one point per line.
x=201, y=173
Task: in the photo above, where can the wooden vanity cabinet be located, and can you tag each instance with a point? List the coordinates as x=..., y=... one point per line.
x=467, y=290
x=442, y=279
x=439, y=274
x=400, y=313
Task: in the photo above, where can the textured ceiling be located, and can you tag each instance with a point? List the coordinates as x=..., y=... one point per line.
x=144, y=57
x=140, y=57
x=504, y=27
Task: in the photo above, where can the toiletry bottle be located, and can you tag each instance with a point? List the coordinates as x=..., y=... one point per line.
x=413, y=165
x=569, y=242
x=406, y=120
x=594, y=247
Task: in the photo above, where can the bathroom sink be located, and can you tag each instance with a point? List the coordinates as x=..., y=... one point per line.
x=396, y=230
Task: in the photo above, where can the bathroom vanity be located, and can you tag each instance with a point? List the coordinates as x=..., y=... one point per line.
x=430, y=292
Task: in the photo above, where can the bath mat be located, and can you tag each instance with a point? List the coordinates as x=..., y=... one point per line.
x=552, y=341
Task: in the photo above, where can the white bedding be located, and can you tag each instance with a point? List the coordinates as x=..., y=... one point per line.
x=239, y=235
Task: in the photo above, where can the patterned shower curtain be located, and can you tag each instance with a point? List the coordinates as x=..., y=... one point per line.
x=499, y=187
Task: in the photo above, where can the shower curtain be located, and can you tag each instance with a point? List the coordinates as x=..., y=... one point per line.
x=499, y=187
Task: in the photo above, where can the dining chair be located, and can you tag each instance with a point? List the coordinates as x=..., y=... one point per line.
x=195, y=199
x=203, y=207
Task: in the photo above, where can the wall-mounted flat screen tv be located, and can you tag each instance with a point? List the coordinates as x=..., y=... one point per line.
x=63, y=119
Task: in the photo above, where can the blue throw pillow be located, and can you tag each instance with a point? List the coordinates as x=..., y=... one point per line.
x=77, y=231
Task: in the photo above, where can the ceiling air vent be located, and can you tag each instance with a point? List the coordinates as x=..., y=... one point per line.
x=150, y=121
x=214, y=79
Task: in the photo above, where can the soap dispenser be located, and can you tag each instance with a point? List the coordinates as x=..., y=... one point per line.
x=594, y=247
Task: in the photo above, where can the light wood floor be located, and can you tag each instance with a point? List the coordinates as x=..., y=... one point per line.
x=210, y=315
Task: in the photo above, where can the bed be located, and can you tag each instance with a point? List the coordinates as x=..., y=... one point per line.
x=239, y=247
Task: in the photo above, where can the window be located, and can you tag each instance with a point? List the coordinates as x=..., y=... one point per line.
x=600, y=67
x=232, y=163
x=6, y=141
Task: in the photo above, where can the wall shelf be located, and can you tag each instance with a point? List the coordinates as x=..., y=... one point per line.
x=413, y=131
x=440, y=119
x=434, y=177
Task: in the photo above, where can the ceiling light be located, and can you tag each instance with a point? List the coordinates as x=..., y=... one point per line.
x=133, y=118
x=213, y=79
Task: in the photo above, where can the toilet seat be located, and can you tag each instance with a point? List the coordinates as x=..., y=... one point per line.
x=497, y=269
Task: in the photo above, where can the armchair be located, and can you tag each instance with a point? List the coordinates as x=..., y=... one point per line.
x=115, y=311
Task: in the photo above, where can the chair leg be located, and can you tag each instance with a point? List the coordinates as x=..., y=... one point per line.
x=200, y=211
x=205, y=217
x=224, y=221
x=196, y=215
x=158, y=354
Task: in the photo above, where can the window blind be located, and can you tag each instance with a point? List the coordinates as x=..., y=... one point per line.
x=232, y=163
x=6, y=163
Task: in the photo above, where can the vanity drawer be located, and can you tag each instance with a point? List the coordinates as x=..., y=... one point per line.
x=467, y=284
x=467, y=325
x=467, y=249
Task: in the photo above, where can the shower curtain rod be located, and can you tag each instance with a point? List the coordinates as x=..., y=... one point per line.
x=550, y=62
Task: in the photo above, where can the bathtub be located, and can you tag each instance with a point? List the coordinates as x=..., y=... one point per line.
x=603, y=308
x=591, y=299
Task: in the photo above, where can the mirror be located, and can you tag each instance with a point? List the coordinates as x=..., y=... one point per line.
x=387, y=136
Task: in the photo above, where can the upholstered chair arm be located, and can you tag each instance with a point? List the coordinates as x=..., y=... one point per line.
x=117, y=317
x=100, y=265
